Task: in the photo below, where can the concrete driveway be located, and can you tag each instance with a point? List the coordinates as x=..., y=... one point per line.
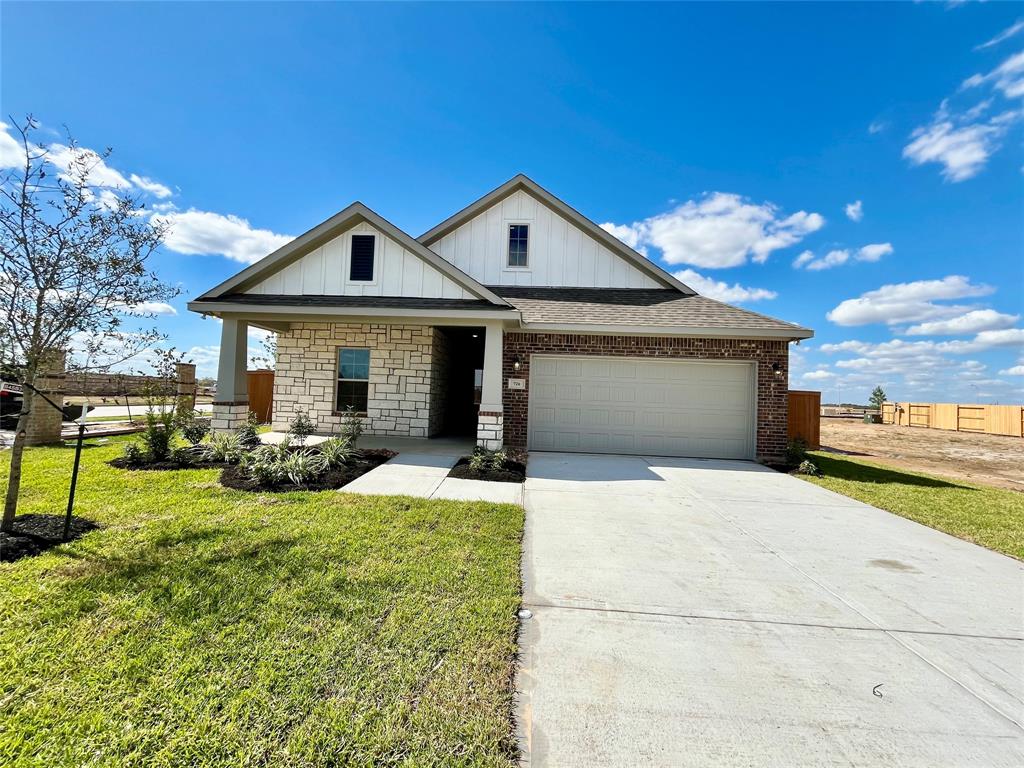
x=692, y=612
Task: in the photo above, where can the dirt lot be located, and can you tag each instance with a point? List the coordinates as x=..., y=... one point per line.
x=985, y=459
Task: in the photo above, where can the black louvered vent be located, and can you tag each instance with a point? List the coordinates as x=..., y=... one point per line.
x=361, y=267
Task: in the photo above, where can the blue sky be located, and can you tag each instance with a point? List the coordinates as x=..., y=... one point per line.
x=726, y=141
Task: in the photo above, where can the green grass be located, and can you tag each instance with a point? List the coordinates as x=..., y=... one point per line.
x=202, y=626
x=991, y=517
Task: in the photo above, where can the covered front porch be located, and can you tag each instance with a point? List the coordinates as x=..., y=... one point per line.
x=403, y=377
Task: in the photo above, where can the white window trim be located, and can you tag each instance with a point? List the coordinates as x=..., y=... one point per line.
x=376, y=258
x=509, y=223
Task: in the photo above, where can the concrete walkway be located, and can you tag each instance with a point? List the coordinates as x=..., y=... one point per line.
x=690, y=612
x=421, y=469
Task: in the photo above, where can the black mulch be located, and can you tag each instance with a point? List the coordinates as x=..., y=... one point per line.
x=123, y=463
x=513, y=472
x=34, y=534
x=234, y=476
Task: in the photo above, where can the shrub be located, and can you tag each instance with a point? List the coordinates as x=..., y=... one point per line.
x=301, y=427
x=185, y=457
x=224, y=448
x=158, y=433
x=264, y=465
x=796, y=452
x=479, y=461
x=351, y=427
x=194, y=430
x=498, y=459
x=134, y=454
x=808, y=468
x=302, y=466
x=337, y=451
x=248, y=434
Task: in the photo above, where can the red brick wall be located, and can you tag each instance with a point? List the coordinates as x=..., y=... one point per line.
x=771, y=389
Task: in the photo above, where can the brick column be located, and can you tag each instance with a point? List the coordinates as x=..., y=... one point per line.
x=186, y=375
x=44, y=421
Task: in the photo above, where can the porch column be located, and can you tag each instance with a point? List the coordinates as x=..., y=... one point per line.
x=490, y=422
x=231, y=406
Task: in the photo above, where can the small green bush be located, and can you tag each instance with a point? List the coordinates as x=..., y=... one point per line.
x=301, y=427
x=249, y=433
x=134, y=454
x=158, y=434
x=337, y=452
x=808, y=468
x=796, y=452
x=303, y=466
x=351, y=427
x=225, y=448
x=184, y=457
x=195, y=430
x=498, y=459
x=264, y=465
x=479, y=461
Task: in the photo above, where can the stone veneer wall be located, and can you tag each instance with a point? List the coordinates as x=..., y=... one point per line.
x=772, y=395
x=400, y=374
x=440, y=359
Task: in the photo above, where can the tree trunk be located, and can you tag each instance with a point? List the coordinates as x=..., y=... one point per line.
x=14, y=478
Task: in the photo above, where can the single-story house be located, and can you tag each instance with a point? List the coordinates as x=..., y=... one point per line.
x=517, y=320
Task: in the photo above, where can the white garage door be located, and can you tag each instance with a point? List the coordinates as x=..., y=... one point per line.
x=656, y=407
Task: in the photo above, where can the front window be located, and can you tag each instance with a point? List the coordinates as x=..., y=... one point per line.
x=518, y=237
x=353, y=379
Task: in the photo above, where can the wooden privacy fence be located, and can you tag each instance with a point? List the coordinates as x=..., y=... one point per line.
x=260, y=385
x=986, y=419
x=804, y=419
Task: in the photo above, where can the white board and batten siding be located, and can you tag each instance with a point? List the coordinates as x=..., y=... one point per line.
x=559, y=252
x=642, y=406
x=325, y=271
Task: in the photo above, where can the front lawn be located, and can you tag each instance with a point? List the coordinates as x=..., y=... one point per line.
x=991, y=517
x=202, y=626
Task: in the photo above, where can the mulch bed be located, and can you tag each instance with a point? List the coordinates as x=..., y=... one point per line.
x=513, y=472
x=234, y=476
x=164, y=466
x=34, y=534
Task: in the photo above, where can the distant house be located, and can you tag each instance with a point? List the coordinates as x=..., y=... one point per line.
x=517, y=320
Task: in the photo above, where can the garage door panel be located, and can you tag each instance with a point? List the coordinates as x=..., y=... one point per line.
x=661, y=407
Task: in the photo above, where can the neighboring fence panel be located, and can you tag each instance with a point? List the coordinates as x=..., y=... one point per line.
x=804, y=420
x=983, y=419
x=261, y=394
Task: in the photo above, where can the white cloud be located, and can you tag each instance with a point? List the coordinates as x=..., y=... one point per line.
x=721, y=290
x=1006, y=34
x=819, y=375
x=154, y=188
x=908, y=302
x=874, y=251
x=1017, y=370
x=855, y=210
x=203, y=232
x=151, y=308
x=206, y=359
x=834, y=258
x=962, y=151
x=718, y=230
x=1007, y=78
x=1009, y=337
x=877, y=126
x=970, y=322
x=627, y=234
x=12, y=153
x=99, y=173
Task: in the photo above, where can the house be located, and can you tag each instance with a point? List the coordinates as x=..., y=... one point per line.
x=517, y=320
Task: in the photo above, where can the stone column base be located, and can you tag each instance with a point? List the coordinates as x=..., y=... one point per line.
x=490, y=431
x=227, y=417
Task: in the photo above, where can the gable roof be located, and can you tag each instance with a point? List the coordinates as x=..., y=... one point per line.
x=327, y=230
x=567, y=212
x=622, y=310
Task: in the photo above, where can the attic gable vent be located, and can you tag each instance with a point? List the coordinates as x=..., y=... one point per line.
x=361, y=263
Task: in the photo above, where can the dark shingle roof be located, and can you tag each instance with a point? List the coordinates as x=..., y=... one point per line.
x=633, y=307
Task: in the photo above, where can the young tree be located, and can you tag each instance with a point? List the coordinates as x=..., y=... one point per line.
x=267, y=357
x=72, y=267
x=877, y=397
